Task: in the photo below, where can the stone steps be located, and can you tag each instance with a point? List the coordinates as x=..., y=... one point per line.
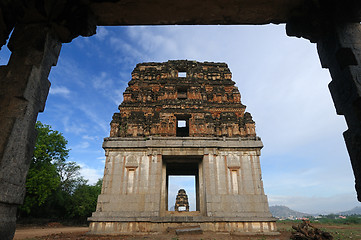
x=183, y=230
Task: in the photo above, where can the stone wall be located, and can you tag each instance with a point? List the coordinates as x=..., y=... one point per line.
x=230, y=187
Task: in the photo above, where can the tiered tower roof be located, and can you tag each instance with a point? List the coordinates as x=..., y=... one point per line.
x=182, y=98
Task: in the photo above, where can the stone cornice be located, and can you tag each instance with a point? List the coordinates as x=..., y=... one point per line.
x=182, y=142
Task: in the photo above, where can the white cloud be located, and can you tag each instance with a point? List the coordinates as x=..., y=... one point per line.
x=59, y=90
x=93, y=117
x=80, y=146
x=103, y=82
x=117, y=96
x=102, y=32
x=102, y=159
x=128, y=51
x=90, y=138
x=68, y=70
x=73, y=126
x=90, y=174
x=153, y=42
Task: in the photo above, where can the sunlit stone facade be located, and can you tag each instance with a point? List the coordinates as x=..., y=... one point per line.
x=182, y=118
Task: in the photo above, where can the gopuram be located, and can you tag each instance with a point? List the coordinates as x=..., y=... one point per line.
x=182, y=118
x=181, y=201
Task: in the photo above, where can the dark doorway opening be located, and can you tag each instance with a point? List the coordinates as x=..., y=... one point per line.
x=178, y=182
x=182, y=172
x=182, y=127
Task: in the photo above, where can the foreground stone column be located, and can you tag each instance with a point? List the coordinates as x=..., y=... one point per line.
x=340, y=52
x=335, y=27
x=24, y=88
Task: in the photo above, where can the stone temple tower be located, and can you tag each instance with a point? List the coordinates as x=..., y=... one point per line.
x=182, y=118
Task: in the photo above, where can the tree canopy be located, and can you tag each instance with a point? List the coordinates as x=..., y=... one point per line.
x=54, y=186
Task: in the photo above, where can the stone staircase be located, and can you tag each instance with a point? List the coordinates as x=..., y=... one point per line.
x=183, y=230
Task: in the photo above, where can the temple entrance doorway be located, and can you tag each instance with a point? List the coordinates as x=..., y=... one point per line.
x=182, y=172
x=175, y=185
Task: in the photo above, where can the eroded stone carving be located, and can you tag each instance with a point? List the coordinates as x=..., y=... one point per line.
x=131, y=162
x=233, y=161
x=206, y=100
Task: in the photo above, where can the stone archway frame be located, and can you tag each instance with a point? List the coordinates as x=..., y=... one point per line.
x=41, y=28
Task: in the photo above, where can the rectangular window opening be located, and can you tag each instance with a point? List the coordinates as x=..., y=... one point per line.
x=182, y=128
x=182, y=74
x=181, y=123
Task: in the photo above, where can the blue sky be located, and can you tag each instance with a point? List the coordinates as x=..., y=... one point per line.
x=305, y=164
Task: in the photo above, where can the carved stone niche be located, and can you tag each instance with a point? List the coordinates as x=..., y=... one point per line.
x=233, y=161
x=131, y=162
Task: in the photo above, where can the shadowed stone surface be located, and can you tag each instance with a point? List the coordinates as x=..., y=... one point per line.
x=24, y=88
x=35, y=45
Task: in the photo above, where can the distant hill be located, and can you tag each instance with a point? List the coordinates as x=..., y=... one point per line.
x=285, y=212
x=355, y=210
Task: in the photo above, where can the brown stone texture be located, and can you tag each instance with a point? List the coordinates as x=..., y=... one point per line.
x=205, y=98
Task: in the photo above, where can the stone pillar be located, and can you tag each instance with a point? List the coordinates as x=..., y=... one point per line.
x=340, y=52
x=24, y=88
x=335, y=27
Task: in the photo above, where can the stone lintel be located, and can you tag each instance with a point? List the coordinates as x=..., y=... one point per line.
x=186, y=142
x=194, y=12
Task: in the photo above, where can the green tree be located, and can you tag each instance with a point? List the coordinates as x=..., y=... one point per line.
x=54, y=187
x=50, y=145
x=84, y=200
x=43, y=178
x=69, y=175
